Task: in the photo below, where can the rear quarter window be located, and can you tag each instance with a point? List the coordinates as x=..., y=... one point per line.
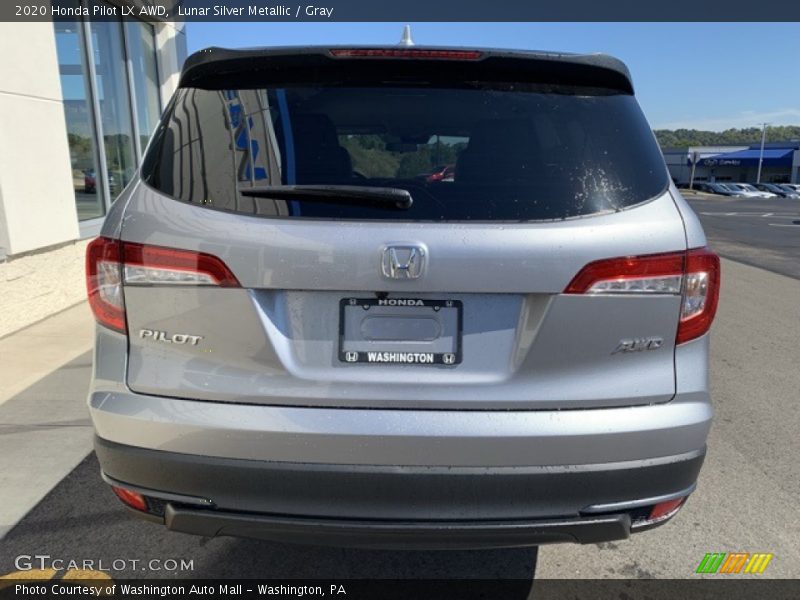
x=499, y=153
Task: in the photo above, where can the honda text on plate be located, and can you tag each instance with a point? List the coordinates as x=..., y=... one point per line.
x=303, y=336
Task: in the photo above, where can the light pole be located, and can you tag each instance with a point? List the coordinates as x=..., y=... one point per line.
x=761, y=154
x=694, y=164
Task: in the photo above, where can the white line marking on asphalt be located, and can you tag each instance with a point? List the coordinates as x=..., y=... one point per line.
x=783, y=225
x=756, y=215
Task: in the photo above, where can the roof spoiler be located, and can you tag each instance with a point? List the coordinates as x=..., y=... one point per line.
x=221, y=68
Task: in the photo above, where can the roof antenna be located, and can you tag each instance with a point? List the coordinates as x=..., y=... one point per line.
x=406, y=39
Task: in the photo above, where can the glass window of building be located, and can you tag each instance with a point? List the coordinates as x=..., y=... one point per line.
x=142, y=53
x=81, y=136
x=112, y=103
x=113, y=98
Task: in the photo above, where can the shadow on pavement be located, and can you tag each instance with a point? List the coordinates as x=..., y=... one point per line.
x=81, y=520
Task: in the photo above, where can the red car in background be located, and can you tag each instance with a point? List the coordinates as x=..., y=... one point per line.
x=443, y=173
x=90, y=182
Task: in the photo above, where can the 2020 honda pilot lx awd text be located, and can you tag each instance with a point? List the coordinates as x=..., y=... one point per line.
x=302, y=337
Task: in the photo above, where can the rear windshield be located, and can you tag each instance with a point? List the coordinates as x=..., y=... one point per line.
x=504, y=153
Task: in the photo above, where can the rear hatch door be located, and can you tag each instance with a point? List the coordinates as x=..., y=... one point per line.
x=454, y=301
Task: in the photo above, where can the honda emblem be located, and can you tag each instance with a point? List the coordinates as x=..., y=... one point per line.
x=403, y=262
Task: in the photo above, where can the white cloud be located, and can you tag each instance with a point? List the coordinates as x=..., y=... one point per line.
x=749, y=118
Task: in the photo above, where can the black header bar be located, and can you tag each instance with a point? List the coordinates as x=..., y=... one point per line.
x=404, y=10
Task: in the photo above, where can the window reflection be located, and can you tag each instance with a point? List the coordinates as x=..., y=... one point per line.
x=78, y=115
x=142, y=47
x=114, y=101
x=213, y=139
x=96, y=79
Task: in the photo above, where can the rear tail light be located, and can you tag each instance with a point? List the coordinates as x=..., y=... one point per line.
x=406, y=53
x=112, y=263
x=650, y=274
x=152, y=265
x=700, y=294
x=104, y=283
x=659, y=512
x=664, y=510
x=694, y=274
x=130, y=498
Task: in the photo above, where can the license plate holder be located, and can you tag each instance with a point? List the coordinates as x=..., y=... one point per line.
x=400, y=331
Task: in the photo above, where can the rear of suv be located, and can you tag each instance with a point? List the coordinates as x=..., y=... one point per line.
x=303, y=337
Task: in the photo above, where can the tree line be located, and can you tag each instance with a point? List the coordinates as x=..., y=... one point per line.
x=372, y=157
x=683, y=138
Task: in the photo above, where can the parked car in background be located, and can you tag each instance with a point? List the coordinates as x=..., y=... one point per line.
x=734, y=190
x=760, y=193
x=748, y=190
x=715, y=188
x=443, y=173
x=791, y=187
x=722, y=190
x=90, y=182
x=776, y=189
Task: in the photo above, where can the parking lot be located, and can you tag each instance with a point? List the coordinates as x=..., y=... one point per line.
x=758, y=231
x=746, y=498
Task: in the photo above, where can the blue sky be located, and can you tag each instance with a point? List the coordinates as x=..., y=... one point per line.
x=695, y=75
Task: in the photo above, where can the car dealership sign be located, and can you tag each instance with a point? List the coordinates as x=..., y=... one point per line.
x=721, y=162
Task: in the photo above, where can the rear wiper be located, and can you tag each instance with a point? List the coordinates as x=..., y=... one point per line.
x=382, y=197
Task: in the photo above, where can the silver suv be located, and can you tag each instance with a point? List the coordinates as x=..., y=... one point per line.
x=304, y=335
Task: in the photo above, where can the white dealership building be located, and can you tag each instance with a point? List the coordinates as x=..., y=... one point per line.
x=780, y=163
x=79, y=100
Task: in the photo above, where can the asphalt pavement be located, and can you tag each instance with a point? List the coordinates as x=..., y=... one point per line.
x=746, y=498
x=764, y=232
x=745, y=502
x=82, y=519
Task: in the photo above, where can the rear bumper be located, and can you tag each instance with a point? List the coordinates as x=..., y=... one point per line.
x=396, y=506
x=430, y=535
x=385, y=437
